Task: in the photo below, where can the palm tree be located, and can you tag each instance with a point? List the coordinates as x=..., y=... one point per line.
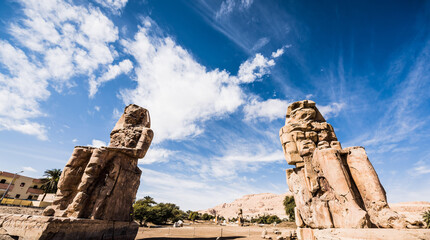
x=51, y=180
x=426, y=218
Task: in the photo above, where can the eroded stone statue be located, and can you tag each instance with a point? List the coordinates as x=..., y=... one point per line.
x=333, y=187
x=101, y=183
x=96, y=189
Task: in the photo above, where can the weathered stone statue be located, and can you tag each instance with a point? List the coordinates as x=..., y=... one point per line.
x=101, y=183
x=240, y=217
x=96, y=189
x=332, y=187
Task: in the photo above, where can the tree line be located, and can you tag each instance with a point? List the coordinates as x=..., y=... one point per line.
x=146, y=210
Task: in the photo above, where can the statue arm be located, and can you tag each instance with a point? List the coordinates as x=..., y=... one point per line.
x=141, y=147
x=144, y=142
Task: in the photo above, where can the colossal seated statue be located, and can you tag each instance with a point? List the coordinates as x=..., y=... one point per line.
x=332, y=186
x=101, y=183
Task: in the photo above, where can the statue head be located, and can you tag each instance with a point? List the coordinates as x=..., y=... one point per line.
x=135, y=115
x=304, y=111
x=304, y=129
x=128, y=129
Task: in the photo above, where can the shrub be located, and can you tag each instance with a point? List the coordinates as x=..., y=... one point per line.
x=266, y=219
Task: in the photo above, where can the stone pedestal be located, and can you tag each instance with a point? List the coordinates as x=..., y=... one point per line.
x=30, y=227
x=362, y=234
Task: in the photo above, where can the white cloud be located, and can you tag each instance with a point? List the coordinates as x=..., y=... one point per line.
x=156, y=155
x=255, y=68
x=280, y=51
x=29, y=169
x=270, y=109
x=113, y=71
x=179, y=92
x=331, y=110
x=114, y=5
x=58, y=41
x=97, y=108
x=97, y=143
x=20, y=92
x=74, y=140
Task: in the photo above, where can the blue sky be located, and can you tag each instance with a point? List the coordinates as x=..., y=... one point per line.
x=217, y=77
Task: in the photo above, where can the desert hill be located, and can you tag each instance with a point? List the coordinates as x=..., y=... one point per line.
x=253, y=205
x=272, y=204
x=413, y=211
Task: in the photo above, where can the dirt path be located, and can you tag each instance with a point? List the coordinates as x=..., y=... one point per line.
x=208, y=232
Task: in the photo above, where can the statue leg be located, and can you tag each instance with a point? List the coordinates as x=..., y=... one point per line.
x=79, y=206
x=69, y=181
x=310, y=211
x=344, y=209
x=371, y=190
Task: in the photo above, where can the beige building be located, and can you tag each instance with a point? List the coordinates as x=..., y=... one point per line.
x=22, y=187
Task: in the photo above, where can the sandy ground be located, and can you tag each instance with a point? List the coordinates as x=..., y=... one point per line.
x=210, y=231
x=20, y=210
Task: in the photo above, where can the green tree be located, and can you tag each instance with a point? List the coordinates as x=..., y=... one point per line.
x=147, y=210
x=142, y=210
x=194, y=216
x=273, y=219
x=206, y=216
x=426, y=218
x=50, y=182
x=289, y=206
x=147, y=200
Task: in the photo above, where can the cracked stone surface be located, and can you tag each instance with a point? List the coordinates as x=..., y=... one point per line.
x=101, y=183
x=333, y=187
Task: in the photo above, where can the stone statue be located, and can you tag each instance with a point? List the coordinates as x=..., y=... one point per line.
x=240, y=217
x=332, y=187
x=96, y=190
x=101, y=183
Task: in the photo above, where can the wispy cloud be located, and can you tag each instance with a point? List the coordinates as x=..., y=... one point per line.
x=29, y=169
x=228, y=6
x=402, y=115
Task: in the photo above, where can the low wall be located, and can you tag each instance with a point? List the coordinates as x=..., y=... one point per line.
x=25, y=227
